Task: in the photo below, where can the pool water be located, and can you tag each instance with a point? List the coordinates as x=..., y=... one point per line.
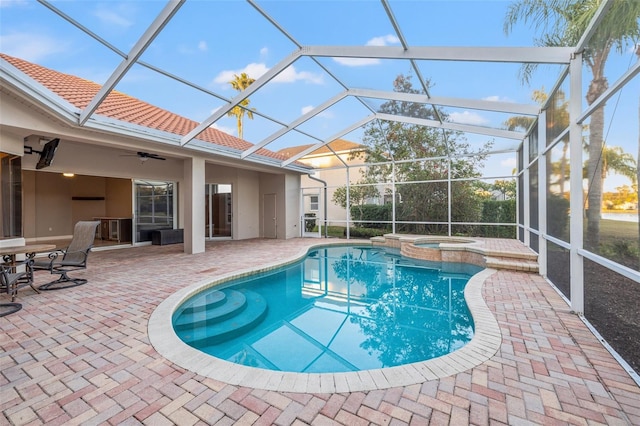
x=342, y=308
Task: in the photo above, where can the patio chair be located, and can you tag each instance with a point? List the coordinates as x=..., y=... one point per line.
x=11, y=279
x=72, y=259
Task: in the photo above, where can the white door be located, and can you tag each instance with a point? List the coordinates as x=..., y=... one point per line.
x=269, y=216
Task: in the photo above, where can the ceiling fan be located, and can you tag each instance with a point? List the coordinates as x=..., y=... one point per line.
x=144, y=156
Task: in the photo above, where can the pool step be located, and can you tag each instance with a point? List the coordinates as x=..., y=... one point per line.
x=205, y=301
x=225, y=304
x=222, y=322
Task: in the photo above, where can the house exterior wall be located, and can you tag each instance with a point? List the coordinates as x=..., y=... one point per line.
x=49, y=208
x=49, y=212
x=10, y=142
x=287, y=190
x=245, y=186
x=273, y=185
x=331, y=170
x=292, y=206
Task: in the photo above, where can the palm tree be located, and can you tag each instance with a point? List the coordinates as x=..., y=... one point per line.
x=564, y=22
x=620, y=162
x=240, y=83
x=523, y=122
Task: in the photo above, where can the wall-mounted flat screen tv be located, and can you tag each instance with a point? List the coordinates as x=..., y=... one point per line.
x=47, y=153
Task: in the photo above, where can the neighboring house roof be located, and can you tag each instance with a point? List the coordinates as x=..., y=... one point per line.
x=338, y=145
x=117, y=105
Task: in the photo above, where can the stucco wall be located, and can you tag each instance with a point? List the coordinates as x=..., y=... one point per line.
x=273, y=184
x=95, y=156
x=245, y=186
x=51, y=212
x=292, y=206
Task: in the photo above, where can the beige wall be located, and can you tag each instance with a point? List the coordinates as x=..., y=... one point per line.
x=292, y=206
x=287, y=190
x=273, y=184
x=119, y=198
x=54, y=213
x=104, y=167
x=246, y=202
x=245, y=186
x=332, y=171
x=84, y=187
x=51, y=212
x=11, y=142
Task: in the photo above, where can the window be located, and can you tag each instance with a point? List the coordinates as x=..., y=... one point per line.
x=154, y=207
x=313, y=199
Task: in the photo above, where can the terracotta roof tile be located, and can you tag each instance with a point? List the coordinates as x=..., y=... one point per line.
x=117, y=105
x=337, y=145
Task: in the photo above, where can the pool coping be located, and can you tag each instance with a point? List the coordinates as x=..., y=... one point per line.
x=484, y=344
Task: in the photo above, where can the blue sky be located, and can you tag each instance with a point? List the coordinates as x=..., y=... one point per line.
x=207, y=42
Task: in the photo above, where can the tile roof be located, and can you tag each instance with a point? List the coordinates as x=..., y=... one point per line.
x=117, y=105
x=338, y=145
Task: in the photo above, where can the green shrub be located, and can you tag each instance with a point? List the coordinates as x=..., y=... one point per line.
x=372, y=215
x=494, y=211
x=365, y=232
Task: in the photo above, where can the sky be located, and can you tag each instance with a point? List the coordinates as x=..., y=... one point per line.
x=207, y=42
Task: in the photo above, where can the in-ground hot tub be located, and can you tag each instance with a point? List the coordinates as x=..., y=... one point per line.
x=437, y=248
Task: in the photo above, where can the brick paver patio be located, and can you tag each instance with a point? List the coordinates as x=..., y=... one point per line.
x=82, y=356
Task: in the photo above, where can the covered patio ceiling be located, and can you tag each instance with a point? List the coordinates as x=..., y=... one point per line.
x=311, y=86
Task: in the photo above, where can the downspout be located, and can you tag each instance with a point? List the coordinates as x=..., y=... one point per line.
x=325, y=201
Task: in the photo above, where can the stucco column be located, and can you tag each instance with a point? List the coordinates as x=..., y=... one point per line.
x=194, y=204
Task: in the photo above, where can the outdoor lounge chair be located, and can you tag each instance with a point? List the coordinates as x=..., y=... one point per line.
x=72, y=259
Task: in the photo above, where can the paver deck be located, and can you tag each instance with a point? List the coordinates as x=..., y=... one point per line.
x=83, y=356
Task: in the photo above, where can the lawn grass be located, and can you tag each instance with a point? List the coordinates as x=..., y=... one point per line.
x=615, y=230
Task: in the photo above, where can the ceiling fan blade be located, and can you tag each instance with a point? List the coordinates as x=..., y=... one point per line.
x=150, y=155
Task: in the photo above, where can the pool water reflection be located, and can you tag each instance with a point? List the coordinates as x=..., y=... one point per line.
x=342, y=308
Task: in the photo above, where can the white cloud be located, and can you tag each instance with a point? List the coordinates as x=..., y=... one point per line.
x=509, y=162
x=190, y=49
x=323, y=114
x=467, y=117
x=228, y=130
x=112, y=17
x=290, y=75
x=383, y=41
x=257, y=70
x=497, y=98
x=253, y=70
x=362, y=62
x=11, y=3
x=31, y=47
x=357, y=62
x=264, y=52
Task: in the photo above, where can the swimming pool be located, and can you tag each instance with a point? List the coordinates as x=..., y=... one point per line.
x=485, y=343
x=341, y=308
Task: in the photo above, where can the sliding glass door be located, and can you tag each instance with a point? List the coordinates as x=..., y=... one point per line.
x=155, y=207
x=218, y=210
x=10, y=195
